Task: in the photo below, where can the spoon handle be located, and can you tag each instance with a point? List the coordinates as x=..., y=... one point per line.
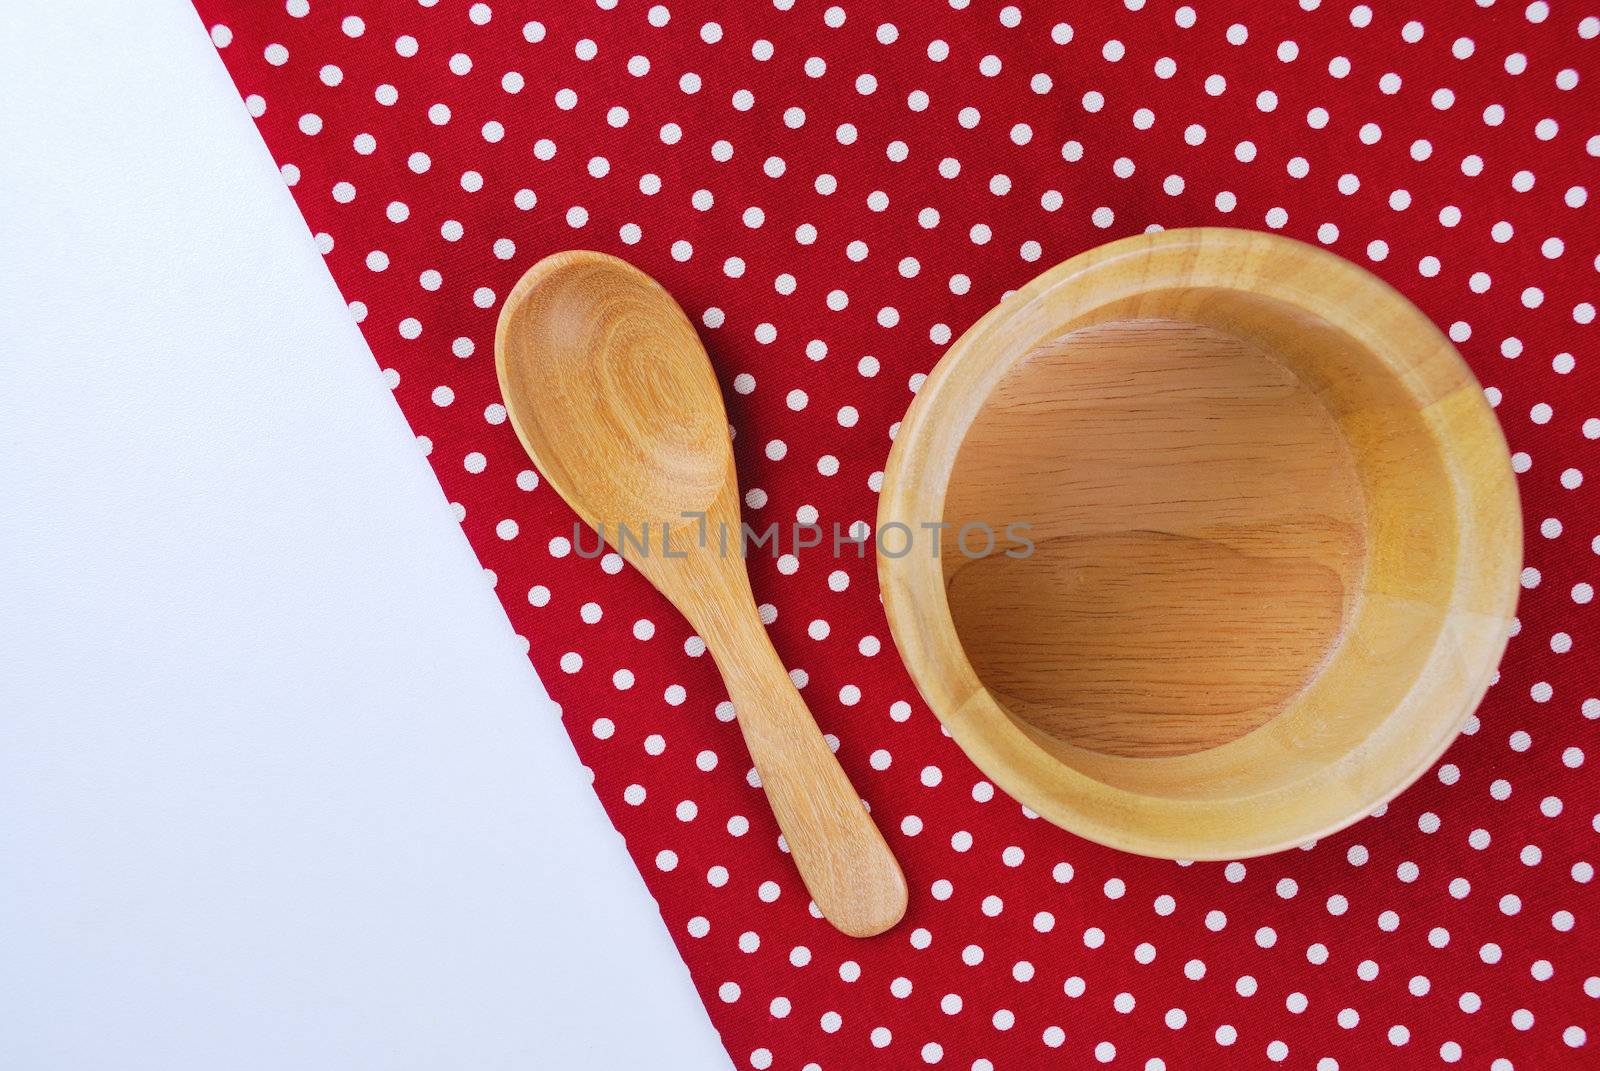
x=842, y=857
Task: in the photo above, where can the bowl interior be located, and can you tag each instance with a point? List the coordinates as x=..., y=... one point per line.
x=1197, y=470
x=1274, y=543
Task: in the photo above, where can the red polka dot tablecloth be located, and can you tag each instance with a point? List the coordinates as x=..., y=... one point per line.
x=834, y=192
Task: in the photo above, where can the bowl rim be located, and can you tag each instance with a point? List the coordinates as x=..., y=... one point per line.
x=1484, y=590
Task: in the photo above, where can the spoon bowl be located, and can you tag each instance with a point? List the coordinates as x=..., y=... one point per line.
x=609, y=358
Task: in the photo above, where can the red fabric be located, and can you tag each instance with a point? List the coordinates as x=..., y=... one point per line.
x=1285, y=958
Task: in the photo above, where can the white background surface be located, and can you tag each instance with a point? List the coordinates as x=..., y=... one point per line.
x=278, y=788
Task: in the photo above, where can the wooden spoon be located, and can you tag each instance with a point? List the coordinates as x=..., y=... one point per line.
x=613, y=397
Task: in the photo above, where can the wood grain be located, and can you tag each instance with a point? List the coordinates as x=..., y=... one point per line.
x=1199, y=527
x=1277, y=543
x=613, y=397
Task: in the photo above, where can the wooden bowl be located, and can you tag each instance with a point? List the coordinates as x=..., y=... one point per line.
x=1276, y=543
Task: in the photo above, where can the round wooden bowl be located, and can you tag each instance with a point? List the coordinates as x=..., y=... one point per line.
x=1275, y=543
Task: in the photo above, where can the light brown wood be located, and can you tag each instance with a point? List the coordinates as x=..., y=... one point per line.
x=1276, y=543
x=613, y=397
x=1199, y=498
